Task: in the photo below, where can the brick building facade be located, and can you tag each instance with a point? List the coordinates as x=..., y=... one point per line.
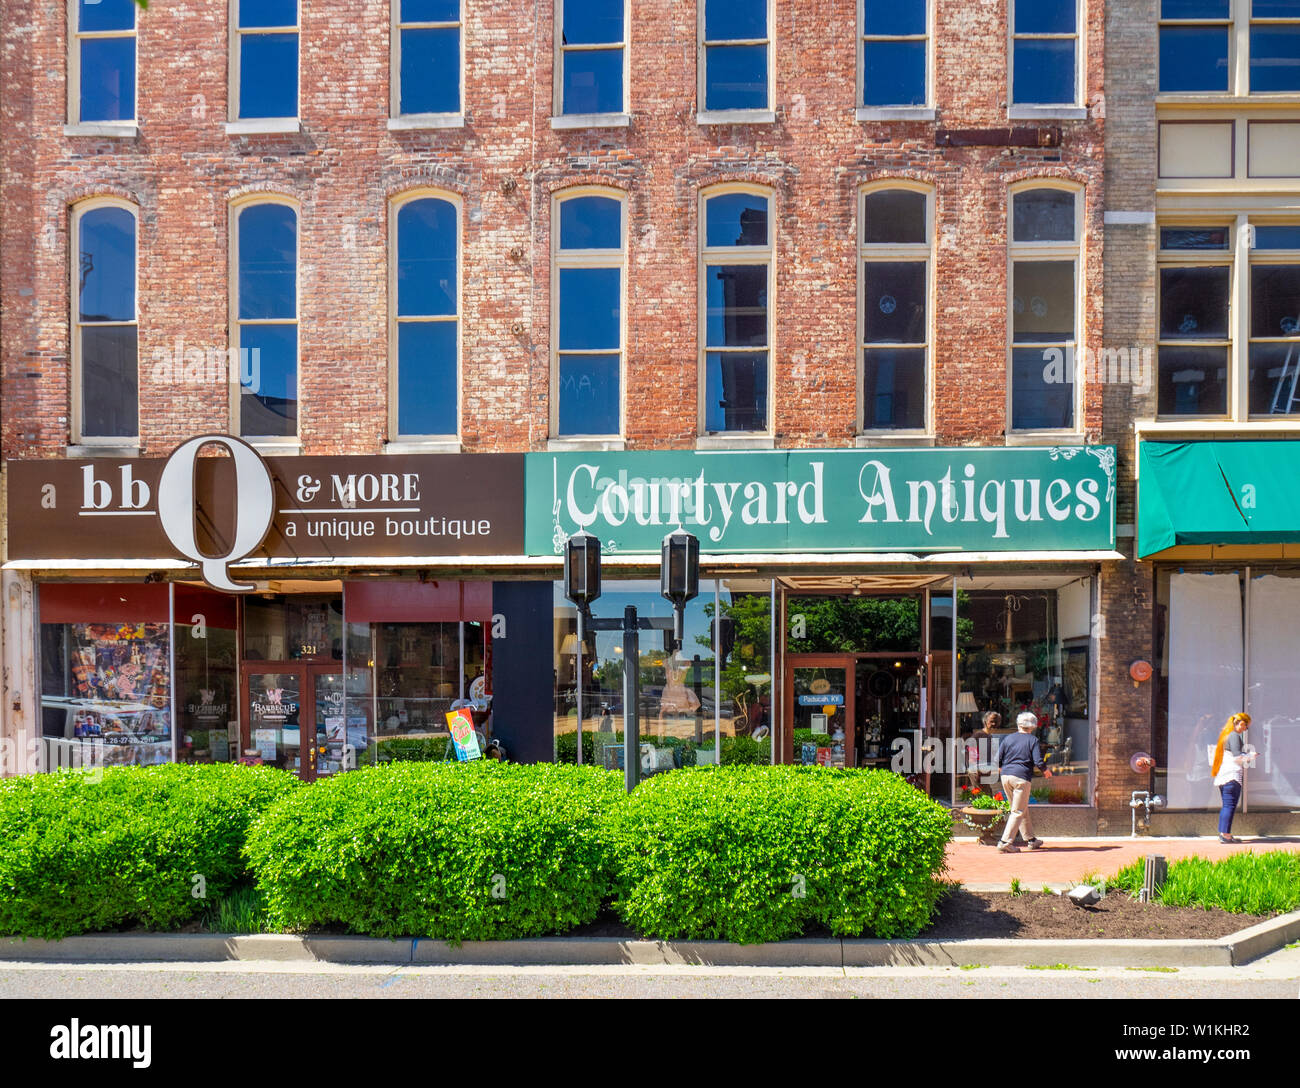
x=505, y=149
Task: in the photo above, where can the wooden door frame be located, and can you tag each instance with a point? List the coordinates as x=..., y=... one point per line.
x=306, y=672
x=849, y=663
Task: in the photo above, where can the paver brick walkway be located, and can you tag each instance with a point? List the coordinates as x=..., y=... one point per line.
x=1064, y=861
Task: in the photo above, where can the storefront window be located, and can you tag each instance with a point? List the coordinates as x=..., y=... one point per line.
x=410, y=658
x=680, y=712
x=1225, y=642
x=306, y=628
x=105, y=682
x=1026, y=649
x=207, y=678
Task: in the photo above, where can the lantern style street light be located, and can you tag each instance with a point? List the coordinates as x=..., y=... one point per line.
x=679, y=581
x=679, y=576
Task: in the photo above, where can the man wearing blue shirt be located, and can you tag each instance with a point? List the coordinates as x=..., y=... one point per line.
x=1017, y=758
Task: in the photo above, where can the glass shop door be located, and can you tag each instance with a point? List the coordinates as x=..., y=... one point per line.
x=819, y=707
x=295, y=719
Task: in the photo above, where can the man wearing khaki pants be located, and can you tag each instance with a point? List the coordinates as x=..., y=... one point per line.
x=1017, y=758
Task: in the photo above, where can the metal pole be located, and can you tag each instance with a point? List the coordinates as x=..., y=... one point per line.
x=717, y=676
x=631, y=698
x=578, y=681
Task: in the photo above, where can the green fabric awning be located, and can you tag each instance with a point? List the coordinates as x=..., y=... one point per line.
x=1222, y=492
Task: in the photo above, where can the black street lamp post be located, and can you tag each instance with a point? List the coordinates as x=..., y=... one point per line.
x=679, y=582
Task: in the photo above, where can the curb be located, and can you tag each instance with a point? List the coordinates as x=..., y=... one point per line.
x=1232, y=951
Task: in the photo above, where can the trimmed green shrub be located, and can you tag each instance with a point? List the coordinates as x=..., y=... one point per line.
x=566, y=747
x=755, y=854
x=408, y=749
x=1263, y=883
x=746, y=750
x=87, y=852
x=476, y=851
x=807, y=736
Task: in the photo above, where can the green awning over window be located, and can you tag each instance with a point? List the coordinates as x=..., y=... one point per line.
x=1226, y=492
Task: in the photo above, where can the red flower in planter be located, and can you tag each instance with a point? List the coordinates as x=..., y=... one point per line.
x=998, y=797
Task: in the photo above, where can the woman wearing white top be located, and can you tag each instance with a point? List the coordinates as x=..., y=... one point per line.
x=1227, y=758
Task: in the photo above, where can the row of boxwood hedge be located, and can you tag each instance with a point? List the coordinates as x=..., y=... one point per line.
x=478, y=851
x=144, y=845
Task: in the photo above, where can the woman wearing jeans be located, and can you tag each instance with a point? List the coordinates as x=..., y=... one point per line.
x=1229, y=758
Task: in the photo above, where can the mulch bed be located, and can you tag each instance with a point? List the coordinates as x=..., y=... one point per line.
x=965, y=915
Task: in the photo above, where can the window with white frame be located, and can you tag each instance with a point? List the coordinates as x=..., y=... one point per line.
x=265, y=330
x=265, y=60
x=1274, y=348
x=1229, y=337
x=735, y=55
x=1230, y=46
x=591, y=39
x=895, y=44
x=1044, y=290
x=589, y=233
x=736, y=265
x=102, y=87
x=895, y=253
x=105, y=347
x=1044, y=52
x=426, y=58
x=425, y=329
x=1195, y=336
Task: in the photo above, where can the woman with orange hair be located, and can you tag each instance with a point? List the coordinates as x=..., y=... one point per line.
x=1228, y=758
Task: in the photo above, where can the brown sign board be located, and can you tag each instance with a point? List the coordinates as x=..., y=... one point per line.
x=406, y=506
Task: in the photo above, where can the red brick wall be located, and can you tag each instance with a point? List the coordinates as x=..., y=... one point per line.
x=183, y=170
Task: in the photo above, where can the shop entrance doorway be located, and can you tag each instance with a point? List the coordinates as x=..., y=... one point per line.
x=819, y=704
x=294, y=717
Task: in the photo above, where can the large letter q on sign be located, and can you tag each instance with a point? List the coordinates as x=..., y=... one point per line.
x=254, y=506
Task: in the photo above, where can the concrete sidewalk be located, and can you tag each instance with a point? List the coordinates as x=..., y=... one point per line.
x=1064, y=861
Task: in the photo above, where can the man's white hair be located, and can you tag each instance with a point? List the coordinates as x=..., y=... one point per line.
x=1027, y=721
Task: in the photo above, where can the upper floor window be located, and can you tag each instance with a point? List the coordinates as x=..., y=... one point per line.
x=426, y=58
x=104, y=331
x=1230, y=46
x=895, y=303
x=266, y=59
x=1044, y=52
x=1044, y=257
x=425, y=329
x=265, y=330
x=736, y=267
x=1229, y=334
x=587, y=279
x=895, y=42
x=103, y=61
x=735, y=55
x=591, y=42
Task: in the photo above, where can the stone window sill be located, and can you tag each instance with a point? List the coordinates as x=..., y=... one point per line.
x=271, y=126
x=416, y=121
x=592, y=120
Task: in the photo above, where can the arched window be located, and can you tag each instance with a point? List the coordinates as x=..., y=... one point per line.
x=896, y=236
x=104, y=332
x=265, y=331
x=736, y=259
x=588, y=247
x=1045, y=290
x=425, y=329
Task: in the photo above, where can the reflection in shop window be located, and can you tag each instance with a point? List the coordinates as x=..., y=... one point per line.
x=403, y=679
x=207, y=683
x=1026, y=650
x=680, y=710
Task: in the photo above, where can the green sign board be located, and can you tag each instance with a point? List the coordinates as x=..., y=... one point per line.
x=1038, y=498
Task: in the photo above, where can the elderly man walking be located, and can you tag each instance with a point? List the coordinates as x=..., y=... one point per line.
x=1017, y=758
